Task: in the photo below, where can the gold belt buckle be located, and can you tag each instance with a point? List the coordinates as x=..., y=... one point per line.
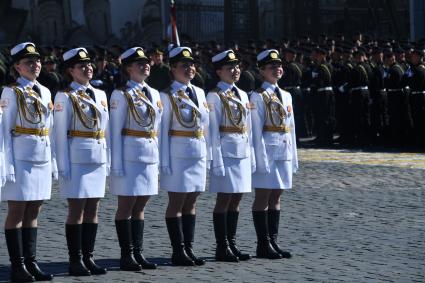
x=152, y=133
x=199, y=133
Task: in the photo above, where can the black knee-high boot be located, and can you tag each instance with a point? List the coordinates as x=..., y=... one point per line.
x=273, y=218
x=29, y=244
x=18, y=271
x=89, y=231
x=264, y=249
x=222, y=251
x=189, y=221
x=137, y=230
x=127, y=261
x=175, y=231
x=232, y=225
x=73, y=239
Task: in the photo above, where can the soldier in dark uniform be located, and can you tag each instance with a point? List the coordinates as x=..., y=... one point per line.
x=103, y=77
x=160, y=77
x=341, y=73
x=247, y=80
x=308, y=102
x=378, y=93
x=417, y=96
x=324, y=97
x=291, y=82
x=359, y=97
x=400, y=121
x=50, y=77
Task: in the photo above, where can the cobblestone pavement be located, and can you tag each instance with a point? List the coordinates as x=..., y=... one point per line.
x=345, y=221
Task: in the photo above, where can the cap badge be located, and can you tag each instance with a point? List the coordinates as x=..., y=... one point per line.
x=231, y=56
x=273, y=55
x=140, y=53
x=30, y=48
x=186, y=53
x=82, y=54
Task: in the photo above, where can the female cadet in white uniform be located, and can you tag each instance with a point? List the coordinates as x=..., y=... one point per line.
x=232, y=161
x=183, y=153
x=273, y=131
x=82, y=151
x=27, y=123
x=2, y=165
x=135, y=118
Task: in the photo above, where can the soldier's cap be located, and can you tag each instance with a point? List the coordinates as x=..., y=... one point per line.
x=320, y=50
x=180, y=53
x=289, y=50
x=133, y=54
x=419, y=51
x=377, y=50
x=49, y=59
x=227, y=57
x=268, y=56
x=24, y=50
x=75, y=55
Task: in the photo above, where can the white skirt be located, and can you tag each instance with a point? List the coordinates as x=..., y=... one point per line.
x=140, y=179
x=237, y=178
x=187, y=175
x=280, y=176
x=87, y=181
x=33, y=182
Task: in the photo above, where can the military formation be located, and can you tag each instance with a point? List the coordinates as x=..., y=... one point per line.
x=104, y=122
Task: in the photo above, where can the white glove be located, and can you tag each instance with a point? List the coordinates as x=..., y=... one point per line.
x=166, y=170
x=11, y=178
x=219, y=171
x=55, y=175
x=264, y=170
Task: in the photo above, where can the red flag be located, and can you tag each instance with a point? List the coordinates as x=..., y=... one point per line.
x=172, y=33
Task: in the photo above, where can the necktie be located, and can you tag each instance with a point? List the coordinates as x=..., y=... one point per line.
x=147, y=93
x=191, y=95
x=36, y=89
x=279, y=95
x=236, y=92
x=91, y=94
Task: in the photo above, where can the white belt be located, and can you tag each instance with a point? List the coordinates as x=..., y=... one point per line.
x=325, y=88
x=359, y=88
x=291, y=87
x=394, y=89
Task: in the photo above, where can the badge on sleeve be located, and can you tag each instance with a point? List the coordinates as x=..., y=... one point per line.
x=59, y=107
x=4, y=102
x=114, y=104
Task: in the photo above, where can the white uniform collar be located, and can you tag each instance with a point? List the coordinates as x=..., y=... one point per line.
x=131, y=84
x=25, y=82
x=178, y=85
x=269, y=87
x=77, y=86
x=225, y=86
